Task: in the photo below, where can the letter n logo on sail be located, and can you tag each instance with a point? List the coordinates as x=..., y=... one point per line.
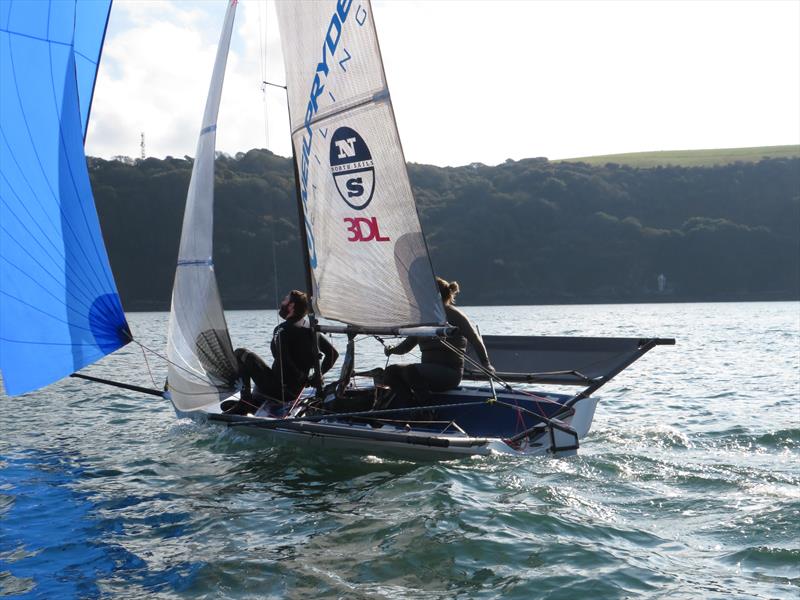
x=352, y=167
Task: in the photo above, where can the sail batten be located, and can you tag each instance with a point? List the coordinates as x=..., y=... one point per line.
x=367, y=255
x=339, y=109
x=202, y=365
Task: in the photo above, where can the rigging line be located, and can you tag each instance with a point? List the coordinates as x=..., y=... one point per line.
x=369, y=413
x=474, y=363
x=147, y=364
x=265, y=116
x=280, y=358
x=174, y=364
x=332, y=415
x=538, y=404
x=273, y=244
x=294, y=404
x=539, y=399
x=600, y=361
x=542, y=417
x=494, y=375
x=262, y=56
x=263, y=27
x=491, y=379
x=521, y=424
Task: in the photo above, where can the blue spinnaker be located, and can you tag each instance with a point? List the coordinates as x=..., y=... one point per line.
x=90, y=28
x=59, y=306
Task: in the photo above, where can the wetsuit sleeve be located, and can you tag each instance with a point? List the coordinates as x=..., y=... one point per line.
x=458, y=319
x=330, y=354
x=407, y=345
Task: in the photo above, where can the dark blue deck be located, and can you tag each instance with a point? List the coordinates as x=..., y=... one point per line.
x=511, y=414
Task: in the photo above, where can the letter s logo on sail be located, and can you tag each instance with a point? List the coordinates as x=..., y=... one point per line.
x=352, y=167
x=355, y=187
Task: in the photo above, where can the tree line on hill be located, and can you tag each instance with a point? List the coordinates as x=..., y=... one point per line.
x=522, y=232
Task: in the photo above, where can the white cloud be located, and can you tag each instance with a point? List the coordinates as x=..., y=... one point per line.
x=151, y=81
x=476, y=81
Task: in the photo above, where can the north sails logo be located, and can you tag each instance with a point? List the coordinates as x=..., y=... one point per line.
x=352, y=168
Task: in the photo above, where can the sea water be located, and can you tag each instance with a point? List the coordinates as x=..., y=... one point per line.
x=688, y=485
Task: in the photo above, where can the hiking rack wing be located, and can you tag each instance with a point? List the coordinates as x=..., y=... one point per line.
x=585, y=361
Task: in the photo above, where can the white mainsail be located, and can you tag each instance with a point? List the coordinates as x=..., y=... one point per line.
x=202, y=366
x=367, y=254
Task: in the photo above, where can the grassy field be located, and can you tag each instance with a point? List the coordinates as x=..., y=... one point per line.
x=691, y=158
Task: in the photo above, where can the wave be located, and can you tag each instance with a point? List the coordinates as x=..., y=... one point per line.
x=739, y=438
x=656, y=436
x=765, y=557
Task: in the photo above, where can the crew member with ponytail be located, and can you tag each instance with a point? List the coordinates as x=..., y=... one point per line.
x=441, y=367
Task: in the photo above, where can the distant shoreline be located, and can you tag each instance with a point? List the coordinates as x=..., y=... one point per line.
x=530, y=232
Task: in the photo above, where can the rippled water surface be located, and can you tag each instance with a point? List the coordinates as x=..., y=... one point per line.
x=688, y=485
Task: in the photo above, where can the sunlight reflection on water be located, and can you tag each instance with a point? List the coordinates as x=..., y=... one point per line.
x=686, y=486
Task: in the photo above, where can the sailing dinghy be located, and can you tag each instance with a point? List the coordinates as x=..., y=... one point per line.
x=368, y=271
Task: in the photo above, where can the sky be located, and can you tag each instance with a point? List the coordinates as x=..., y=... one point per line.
x=473, y=81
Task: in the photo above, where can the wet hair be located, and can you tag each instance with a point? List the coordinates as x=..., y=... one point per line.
x=300, y=300
x=448, y=290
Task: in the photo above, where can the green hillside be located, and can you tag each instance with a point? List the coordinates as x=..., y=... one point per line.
x=523, y=232
x=690, y=158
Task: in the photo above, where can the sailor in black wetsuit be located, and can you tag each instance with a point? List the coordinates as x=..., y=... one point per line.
x=293, y=358
x=441, y=368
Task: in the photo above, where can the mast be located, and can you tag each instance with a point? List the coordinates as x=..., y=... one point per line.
x=312, y=318
x=301, y=222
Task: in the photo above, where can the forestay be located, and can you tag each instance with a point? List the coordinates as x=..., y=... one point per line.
x=59, y=306
x=367, y=254
x=202, y=366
